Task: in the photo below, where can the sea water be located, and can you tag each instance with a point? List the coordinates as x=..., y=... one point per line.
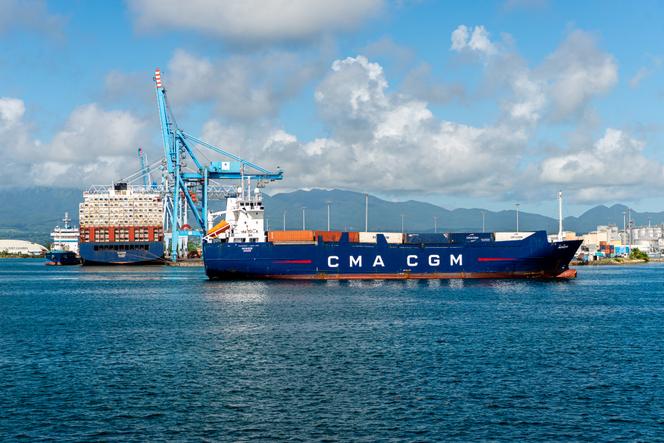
x=161, y=353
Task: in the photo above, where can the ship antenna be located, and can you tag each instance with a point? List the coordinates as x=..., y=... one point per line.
x=560, y=215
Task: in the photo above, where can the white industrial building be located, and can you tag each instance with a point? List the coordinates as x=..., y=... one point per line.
x=21, y=247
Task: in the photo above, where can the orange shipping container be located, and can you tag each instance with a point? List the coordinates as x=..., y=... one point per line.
x=328, y=236
x=354, y=237
x=290, y=236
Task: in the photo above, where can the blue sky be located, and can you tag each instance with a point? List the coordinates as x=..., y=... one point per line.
x=458, y=103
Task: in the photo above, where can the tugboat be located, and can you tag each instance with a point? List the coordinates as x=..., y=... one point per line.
x=64, y=250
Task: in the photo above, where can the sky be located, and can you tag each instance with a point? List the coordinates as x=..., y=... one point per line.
x=462, y=104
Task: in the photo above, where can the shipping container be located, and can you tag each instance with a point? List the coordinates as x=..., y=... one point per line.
x=426, y=238
x=509, y=236
x=354, y=237
x=335, y=236
x=290, y=236
x=390, y=237
x=473, y=237
x=328, y=236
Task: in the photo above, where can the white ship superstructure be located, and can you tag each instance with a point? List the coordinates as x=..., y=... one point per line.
x=65, y=238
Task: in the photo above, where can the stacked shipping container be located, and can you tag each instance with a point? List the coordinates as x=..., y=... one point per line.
x=121, y=215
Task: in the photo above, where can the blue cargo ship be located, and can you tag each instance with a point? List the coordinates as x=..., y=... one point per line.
x=239, y=248
x=530, y=257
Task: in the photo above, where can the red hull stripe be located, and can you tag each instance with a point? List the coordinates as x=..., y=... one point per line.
x=293, y=262
x=495, y=259
x=569, y=274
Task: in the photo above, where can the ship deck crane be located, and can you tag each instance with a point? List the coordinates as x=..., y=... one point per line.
x=183, y=185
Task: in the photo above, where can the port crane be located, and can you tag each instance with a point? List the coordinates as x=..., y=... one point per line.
x=187, y=182
x=145, y=171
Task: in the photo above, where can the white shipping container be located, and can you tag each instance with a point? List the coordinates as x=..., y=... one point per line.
x=391, y=237
x=508, y=236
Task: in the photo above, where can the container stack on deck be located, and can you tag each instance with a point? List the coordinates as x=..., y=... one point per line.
x=121, y=219
x=306, y=237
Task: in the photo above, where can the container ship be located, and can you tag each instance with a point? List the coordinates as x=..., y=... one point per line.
x=238, y=247
x=64, y=247
x=121, y=225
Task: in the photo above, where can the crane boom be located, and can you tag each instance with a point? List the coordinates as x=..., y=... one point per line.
x=183, y=186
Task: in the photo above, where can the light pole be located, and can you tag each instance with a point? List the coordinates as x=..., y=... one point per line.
x=304, y=218
x=328, y=214
x=402, y=217
x=517, y=218
x=284, y=219
x=483, y=213
x=366, y=212
x=435, y=224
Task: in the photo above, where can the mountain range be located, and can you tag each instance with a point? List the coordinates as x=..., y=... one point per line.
x=31, y=214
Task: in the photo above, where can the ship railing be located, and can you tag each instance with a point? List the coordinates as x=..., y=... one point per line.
x=140, y=189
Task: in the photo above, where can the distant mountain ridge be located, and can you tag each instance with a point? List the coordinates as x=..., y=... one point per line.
x=31, y=214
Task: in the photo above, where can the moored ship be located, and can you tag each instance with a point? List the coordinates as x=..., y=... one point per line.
x=121, y=224
x=240, y=248
x=64, y=247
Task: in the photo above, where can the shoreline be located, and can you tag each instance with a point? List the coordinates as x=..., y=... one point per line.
x=615, y=262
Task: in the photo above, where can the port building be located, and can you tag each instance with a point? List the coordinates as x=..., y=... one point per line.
x=21, y=247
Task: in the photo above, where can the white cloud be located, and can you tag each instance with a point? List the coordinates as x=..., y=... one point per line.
x=33, y=14
x=577, y=72
x=255, y=20
x=478, y=41
x=11, y=112
x=94, y=146
x=380, y=141
x=241, y=87
x=560, y=88
x=614, y=166
x=422, y=84
x=459, y=38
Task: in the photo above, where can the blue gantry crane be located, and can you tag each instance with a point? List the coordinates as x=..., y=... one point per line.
x=187, y=186
x=145, y=171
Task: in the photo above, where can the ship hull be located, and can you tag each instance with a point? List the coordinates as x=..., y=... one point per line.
x=532, y=257
x=122, y=253
x=62, y=258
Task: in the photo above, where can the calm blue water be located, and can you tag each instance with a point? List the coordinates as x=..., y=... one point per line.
x=162, y=353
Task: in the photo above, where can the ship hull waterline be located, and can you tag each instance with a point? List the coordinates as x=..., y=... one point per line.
x=530, y=258
x=121, y=253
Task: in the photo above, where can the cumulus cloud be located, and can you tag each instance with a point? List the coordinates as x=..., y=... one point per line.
x=381, y=141
x=94, y=146
x=598, y=172
x=472, y=40
x=577, y=72
x=32, y=14
x=560, y=88
x=423, y=85
x=241, y=86
x=254, y=21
